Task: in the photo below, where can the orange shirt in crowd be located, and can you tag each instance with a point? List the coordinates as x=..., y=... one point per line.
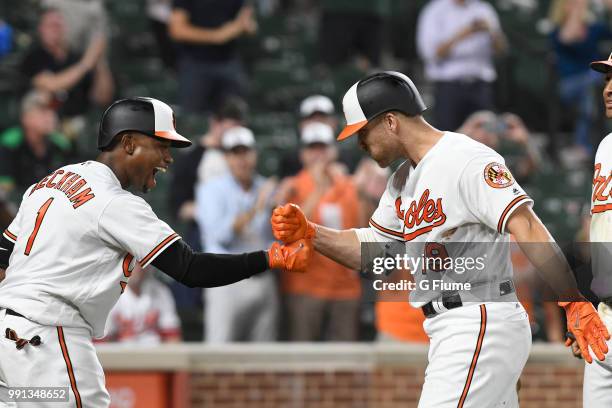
x=338, y=208
x=395, y=317
x=401, y=321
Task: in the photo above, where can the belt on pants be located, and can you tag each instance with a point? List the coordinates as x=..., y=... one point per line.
x=453, y=300
x=12, y=334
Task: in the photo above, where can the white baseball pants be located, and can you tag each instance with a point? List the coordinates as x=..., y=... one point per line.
x=65, y=357
x=476, y=356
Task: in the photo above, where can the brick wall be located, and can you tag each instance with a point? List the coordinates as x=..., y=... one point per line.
x=332, y=375
x=543, y=386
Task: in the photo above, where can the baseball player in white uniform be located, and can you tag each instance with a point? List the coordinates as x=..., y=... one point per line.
x=70, y=250
x=597, y=387
x=145, y=313
x=450, y=189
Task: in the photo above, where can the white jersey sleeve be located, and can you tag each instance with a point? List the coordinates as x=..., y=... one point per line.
x=13, y=230
x=128, y=222
x=490, y=192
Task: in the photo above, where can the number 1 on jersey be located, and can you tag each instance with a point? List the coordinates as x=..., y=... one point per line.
x=39, y=219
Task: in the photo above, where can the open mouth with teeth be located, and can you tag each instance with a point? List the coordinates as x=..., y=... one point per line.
x=152, y=182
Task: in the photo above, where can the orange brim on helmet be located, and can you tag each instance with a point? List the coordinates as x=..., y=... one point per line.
x=376, y=94
x=141, y=114
x=165, y=125
x=350, y=130
x=174, y=137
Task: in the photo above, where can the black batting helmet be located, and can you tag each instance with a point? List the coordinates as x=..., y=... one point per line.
x=379, y=93
x=139, y=114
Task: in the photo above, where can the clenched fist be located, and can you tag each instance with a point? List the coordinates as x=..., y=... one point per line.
x=292, y=257
x=289, y=224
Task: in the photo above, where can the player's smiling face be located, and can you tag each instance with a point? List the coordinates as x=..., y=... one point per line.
x=150, y=156
x=607, y=95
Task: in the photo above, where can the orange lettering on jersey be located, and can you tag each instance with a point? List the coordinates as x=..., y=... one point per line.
x=40, y=185
x=398, y=208
x=127, y=272
x=426, y=210
x=75, y=187
x=55, y=174
x=601, y=192
x=70, y=181
x=127, y=261
x=70, y=184
x=63, y=179
x=81, y=198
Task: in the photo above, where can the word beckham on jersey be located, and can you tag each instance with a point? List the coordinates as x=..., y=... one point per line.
x=71, y=184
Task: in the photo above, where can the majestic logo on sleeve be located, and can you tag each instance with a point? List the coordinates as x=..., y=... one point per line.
x=498, y=176
x=422, y=216
x=602, y=200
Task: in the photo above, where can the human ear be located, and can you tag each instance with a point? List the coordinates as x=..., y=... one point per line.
x=390, y=122
x=128, y=143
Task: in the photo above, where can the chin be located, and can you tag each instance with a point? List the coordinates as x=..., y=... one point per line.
x=382, y=162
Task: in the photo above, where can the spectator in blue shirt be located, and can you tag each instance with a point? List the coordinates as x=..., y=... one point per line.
x=234, y=210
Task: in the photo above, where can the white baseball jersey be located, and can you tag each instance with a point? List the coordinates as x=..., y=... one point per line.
x=597, y=389
x=77, y=236
x=461, y=191
x=146, y=318
x=601, y=221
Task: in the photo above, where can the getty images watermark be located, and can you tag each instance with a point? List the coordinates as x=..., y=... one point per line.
x=481, y=271
x=384, y=265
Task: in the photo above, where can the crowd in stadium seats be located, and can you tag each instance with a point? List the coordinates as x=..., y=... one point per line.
x=256, y=86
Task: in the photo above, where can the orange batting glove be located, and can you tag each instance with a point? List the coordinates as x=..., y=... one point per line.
x=292, y=257
x=588, y=330
x=290, y=224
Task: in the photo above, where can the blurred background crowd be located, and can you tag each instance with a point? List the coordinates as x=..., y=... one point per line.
x=257, y=86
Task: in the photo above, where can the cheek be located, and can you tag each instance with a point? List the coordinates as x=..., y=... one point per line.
x=142, y=159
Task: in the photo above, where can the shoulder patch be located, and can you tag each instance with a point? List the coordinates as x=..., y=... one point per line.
x=497, y=175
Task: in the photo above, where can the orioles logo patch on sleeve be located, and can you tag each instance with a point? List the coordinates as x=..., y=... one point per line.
x=498, y=176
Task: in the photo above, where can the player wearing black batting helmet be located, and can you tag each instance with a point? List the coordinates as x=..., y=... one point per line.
x=75, y=241
x=143, y=115
x=450, y=189
x=376, y=94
